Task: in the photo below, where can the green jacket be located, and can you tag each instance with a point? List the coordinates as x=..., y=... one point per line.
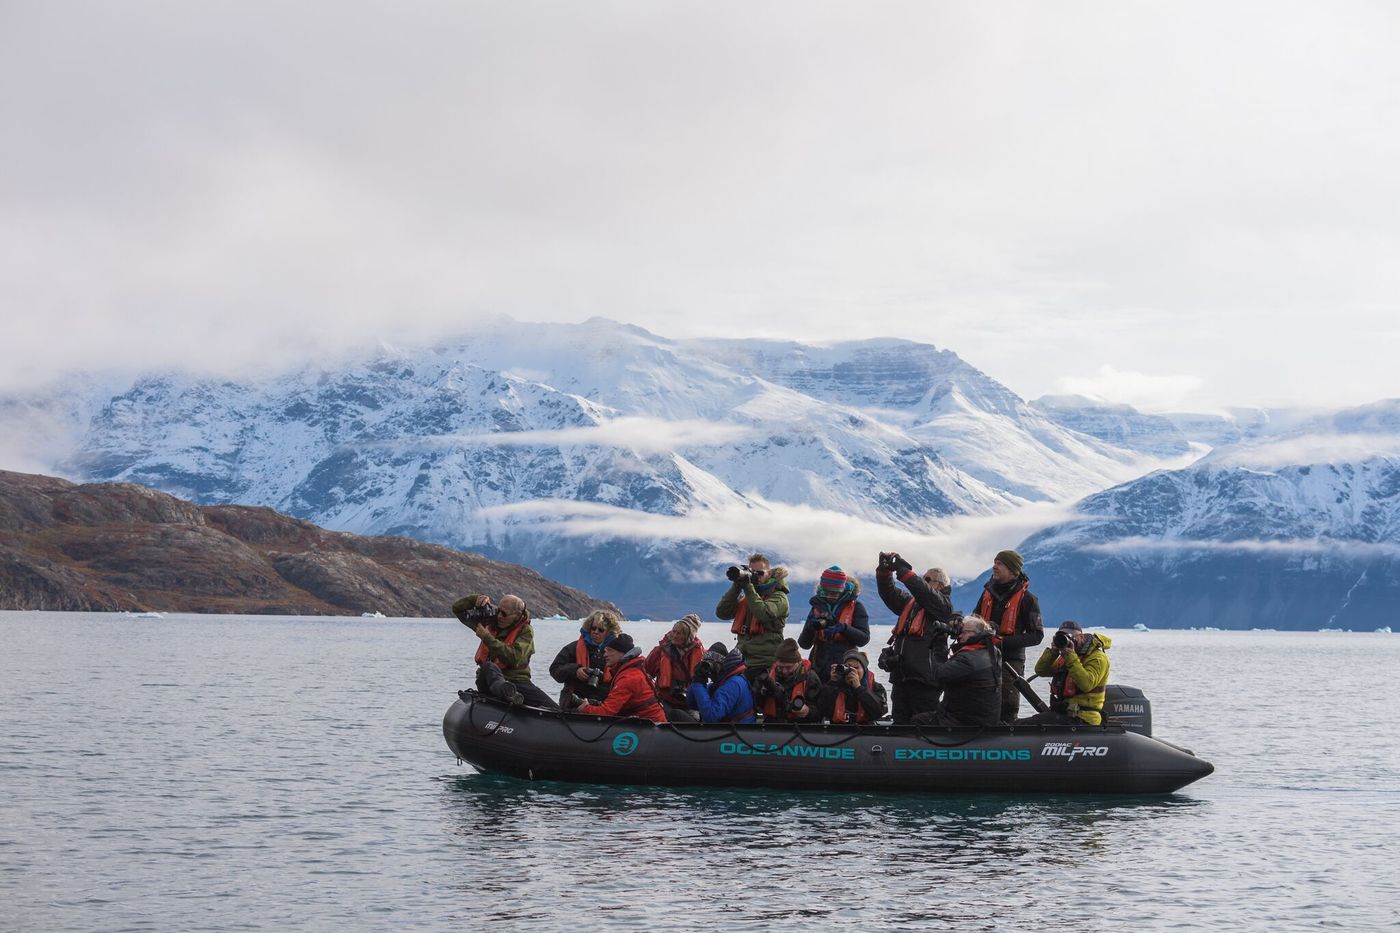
x=1089, y=672
x=771, y=611
x=515, y=656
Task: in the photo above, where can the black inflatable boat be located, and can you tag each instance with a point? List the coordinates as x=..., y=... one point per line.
x=545, y=745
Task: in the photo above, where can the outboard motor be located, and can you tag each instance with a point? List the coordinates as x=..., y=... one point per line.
x=1127, y=707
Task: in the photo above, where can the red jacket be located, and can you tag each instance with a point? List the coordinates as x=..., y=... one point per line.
x=631, y=695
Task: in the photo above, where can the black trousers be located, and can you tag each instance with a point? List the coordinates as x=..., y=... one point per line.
x=1010, y=696
x=491, y=682
x=908, y=698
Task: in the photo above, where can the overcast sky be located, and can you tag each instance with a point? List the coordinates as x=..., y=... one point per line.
x=1171, y=204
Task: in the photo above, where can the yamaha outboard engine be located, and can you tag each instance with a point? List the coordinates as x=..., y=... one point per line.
x=1127, y=707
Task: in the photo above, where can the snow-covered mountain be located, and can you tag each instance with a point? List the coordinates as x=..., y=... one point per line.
x=1117, y=424
x=602, y=455
x=1298, y=529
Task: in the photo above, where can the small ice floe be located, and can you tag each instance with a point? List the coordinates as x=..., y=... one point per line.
x=147, y=615
x=1384, y=630
x=1139, y=627
x=1329, y=631
x=376, y=614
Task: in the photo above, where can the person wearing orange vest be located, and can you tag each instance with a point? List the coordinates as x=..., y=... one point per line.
x=671, y=663
x=789, y=691
x=970, y=679
x=757, y=602
x=852, y=695
x=1077, y=664
x=632, y=693
x=507, y=643
x=1013, y=612
x=836, y=622
x=920, y=637
x=580, y=665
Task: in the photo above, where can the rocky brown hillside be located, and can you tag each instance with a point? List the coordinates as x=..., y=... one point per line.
x=118, y=546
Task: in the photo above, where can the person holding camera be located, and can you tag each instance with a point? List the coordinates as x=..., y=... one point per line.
x=507, y=643
x=632, y=693
x=672, y=662
x=970, y=680
x=757, y=602
x=581, y=666
x=790, y=690
x=851, y=694
x=837, y=620
x=1077, y=664
x=920, y=638
x=719, y=691
x=1013, y=612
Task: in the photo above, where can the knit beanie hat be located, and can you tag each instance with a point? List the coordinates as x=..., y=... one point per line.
x=1069, y=625
x=855, y=655
x=1012, y=560
x=833, y=580
x=691, y=621
x=623, y=643
x=719, y=648
x=788, y=651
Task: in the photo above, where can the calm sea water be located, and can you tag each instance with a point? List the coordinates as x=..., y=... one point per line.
x=232, y=772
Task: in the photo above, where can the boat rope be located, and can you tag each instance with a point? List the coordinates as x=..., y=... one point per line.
x=919, y=730
x=471, y=713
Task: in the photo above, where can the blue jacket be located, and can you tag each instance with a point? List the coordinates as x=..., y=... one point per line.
x=728, y=698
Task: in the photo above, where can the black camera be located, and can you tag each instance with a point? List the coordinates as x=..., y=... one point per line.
x=735, y=574
x=886, y=562
x=595, y=677
x=889, y=660
x=1062, y=640
x=766, y=686
x=483, y=615
x=797, y=704
x=842, y=670
x=705, y=670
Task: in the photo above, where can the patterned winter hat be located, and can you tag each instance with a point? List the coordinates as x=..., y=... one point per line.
x=691, y=621
x=833, y=579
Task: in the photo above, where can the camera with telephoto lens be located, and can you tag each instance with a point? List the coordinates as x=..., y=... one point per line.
x=706, y=670
x=594, y=679
x=483, y=615
x=766, y=686
x=889, y=660
x=735, y=574
x=797, y=704
x=1062, y=640
x=842, y=670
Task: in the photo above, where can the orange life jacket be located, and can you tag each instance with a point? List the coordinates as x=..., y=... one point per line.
x=838, y=713
x=483, y=652
x=911, y=620
x=848, y=612
x=1007, y=625
x=745, y=622
x=666, y=668
x=770, y=704
x=584, y=659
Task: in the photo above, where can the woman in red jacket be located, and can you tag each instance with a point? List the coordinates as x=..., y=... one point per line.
x=632, y=693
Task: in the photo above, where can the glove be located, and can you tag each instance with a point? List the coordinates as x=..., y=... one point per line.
x=832, y=630
x=885, y=564
x=900, y=564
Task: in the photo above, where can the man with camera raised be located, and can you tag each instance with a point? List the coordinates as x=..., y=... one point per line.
x=970, y=680
x=1077, y=664
x=581, y=666
x=729, y=699
x=507, y=643
x=757, y=601
x=920, y=638
x=851, y=695
x=789, y=690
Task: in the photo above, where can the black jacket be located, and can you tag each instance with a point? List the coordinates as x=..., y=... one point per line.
x=1029, y=630
x=916, y=656
x=564, y=667
x=971, y=682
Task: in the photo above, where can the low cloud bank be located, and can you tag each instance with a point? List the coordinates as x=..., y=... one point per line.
x=1300, y=547
x=648, y=435
x=805, y=538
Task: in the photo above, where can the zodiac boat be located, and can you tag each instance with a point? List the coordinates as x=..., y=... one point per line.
x=538, y=744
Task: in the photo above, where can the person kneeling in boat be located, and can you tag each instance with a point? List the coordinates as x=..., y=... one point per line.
x=671, y=664
x=790, y=691
x=632, y=693
x=970, y=680
x=1077, y=664
x=507, y=643
x=851, y=695
x=580, y=666
x=730, y=699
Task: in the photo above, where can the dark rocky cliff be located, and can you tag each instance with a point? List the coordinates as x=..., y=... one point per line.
x=119, y=546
